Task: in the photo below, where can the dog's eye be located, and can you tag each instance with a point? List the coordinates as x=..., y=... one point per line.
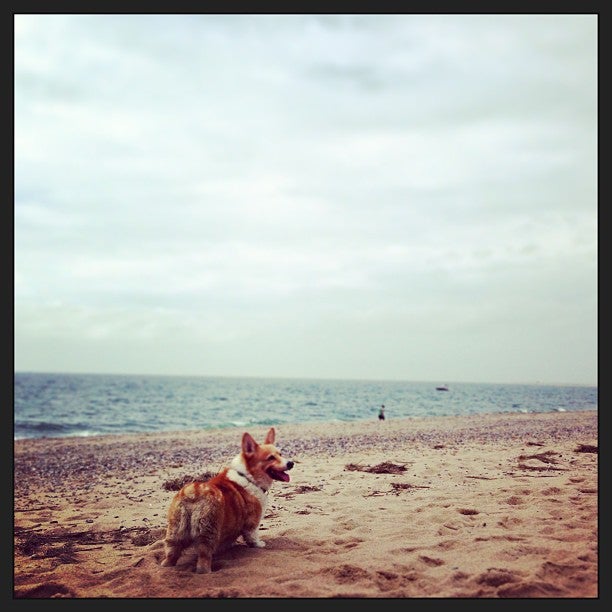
x=271, y=458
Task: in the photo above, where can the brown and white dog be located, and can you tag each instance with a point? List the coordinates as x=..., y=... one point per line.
x=212, y=514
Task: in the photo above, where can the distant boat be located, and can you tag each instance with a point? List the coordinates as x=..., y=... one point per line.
x=442, y=388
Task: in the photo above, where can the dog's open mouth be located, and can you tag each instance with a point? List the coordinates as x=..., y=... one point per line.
x=278, y=474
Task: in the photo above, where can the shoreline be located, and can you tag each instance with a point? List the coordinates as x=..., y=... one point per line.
x=496, y=505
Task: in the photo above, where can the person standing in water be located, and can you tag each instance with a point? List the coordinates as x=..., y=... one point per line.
x=381, y=413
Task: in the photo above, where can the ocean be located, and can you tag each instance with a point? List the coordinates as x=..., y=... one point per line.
x=60, y=405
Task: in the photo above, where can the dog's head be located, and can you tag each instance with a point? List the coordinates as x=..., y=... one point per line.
x=264, y=461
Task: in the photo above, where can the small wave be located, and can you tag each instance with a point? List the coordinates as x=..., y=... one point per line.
x=43, y=429
x=85, y=433
x=37, y=426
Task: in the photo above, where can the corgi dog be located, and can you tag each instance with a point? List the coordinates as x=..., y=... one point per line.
x=212, y=514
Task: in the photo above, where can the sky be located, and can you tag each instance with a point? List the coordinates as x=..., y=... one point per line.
x=386, y=197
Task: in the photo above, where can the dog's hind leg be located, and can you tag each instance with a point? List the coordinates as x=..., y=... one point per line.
x=204, y=564
x=207, y=537
x=205, y=545
x=173, y=551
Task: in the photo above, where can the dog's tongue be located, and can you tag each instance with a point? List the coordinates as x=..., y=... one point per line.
x=277, y=475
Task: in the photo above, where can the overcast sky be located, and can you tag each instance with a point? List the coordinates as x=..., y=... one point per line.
x=405, y=197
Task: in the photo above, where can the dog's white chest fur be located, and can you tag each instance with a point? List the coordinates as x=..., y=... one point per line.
x=238, y=474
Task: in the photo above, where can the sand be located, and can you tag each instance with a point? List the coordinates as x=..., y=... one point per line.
x=453, y=507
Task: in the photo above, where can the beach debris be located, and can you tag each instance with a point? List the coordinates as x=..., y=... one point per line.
x=467, y=511
x=301, y=489
x=43, y=545
x=307, y=489
x=396, y=489
x=131, y=498
x=36, y=508
x=405, y=486
x=537, y=468
x=386, y=467
x=547, y=457
x=586, y=448
x=176, y=484
x=144, y=538
x=37, y=545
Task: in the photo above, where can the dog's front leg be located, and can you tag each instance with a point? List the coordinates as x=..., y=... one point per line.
x=251, y=537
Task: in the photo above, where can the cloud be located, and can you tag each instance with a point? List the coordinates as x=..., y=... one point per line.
x=304, y=185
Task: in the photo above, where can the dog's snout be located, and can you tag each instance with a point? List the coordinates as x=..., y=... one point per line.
x=289, y=464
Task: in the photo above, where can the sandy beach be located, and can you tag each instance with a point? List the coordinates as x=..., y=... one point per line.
x=482, y=506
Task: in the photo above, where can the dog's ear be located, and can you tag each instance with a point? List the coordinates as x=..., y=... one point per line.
x=270, y=436
x=249, y=446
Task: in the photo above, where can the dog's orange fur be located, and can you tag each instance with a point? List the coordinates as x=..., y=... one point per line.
x=212, y=515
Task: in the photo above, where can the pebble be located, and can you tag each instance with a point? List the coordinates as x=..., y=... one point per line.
x=61, y=463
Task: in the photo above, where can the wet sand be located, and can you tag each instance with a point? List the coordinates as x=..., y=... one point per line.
x=483, y=506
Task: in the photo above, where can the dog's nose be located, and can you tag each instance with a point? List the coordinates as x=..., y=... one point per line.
x=289, y=464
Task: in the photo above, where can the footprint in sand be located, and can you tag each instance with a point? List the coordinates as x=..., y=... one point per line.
x=405, y=549
x=346, y=525
x=389, y=581
x=348, y=543
x=431, y=561
x=449, y=527
x=449, y=544
x=496, y=577
x=467, y=511
x=346, y=573
x=459, y=576
x=509, y=521
x=572, y=571
x=514, y=501
x=80, y=517
x=529, y=590
x=45, y=591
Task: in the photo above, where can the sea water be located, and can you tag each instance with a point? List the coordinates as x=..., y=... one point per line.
x=59, y=405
